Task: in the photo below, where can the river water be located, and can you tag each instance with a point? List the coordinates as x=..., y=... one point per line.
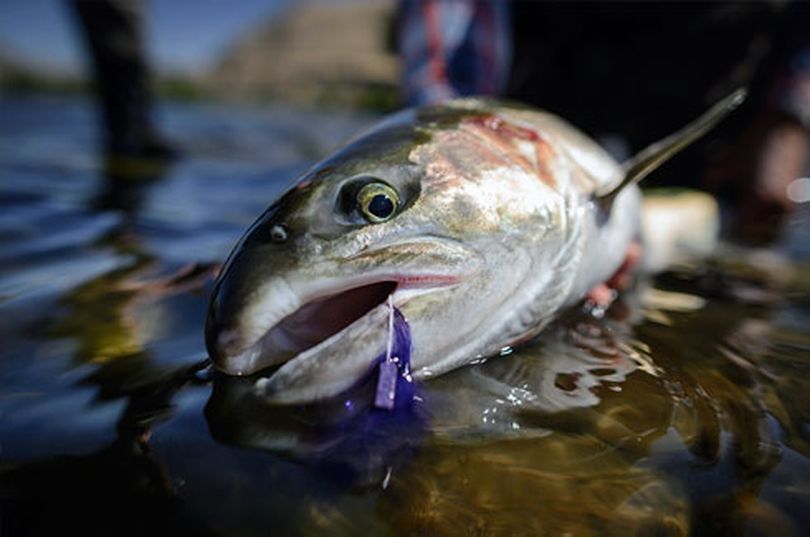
x=684, y=410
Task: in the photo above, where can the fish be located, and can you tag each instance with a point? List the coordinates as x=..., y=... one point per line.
x=479, y=220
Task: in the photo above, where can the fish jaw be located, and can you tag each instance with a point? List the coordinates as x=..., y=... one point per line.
x=440, y=325
x=293, y=314
x=450, y=326
x=334, y=365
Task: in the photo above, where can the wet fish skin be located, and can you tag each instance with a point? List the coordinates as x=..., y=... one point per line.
x=497, y=231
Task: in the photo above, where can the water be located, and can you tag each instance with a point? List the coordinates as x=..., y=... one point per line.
x=685, y=410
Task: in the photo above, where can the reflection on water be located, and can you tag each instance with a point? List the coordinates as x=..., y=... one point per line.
x=685, y=410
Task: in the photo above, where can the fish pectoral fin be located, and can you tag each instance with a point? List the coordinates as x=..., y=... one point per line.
x=650, y=158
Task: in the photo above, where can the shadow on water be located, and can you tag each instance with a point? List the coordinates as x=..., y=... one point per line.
x=102, y=314
x=683, y=410
x=99, y=313
x=346, y=441
x=122, y=487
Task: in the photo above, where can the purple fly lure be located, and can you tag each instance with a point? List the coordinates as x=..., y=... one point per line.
x=394, y=382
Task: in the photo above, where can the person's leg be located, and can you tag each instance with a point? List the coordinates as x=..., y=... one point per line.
x=113, y=33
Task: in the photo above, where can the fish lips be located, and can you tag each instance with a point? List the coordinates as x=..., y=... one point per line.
x=326, y=323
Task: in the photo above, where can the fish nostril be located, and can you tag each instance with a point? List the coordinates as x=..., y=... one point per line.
x=278, y=233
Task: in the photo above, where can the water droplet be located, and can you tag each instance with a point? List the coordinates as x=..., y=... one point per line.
x=798, y=191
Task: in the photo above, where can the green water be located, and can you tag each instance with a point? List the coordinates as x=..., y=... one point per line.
x=685, y=410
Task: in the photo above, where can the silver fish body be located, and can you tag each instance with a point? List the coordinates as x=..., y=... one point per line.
x=493, y=229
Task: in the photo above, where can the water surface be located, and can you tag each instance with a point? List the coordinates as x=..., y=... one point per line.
x=684, y=410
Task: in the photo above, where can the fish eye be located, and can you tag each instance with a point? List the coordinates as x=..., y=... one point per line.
x=377, y=202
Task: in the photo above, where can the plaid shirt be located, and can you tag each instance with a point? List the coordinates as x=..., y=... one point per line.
x=453, y=48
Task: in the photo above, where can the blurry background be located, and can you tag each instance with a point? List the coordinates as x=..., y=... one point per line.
x=323, y=51
x=626, y=73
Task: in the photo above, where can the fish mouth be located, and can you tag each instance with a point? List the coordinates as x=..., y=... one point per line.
x=321, y=325
x=317, y=320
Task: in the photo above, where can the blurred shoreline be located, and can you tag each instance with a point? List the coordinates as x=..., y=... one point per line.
x=323, y=54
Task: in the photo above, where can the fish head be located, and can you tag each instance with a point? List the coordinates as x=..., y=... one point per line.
x=421, y=209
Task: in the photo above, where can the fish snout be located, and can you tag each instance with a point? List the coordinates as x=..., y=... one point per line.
x=235, y=328
x=249, y=296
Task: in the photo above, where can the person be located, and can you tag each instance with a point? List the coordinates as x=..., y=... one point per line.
x=642, y=70
x=113, y=32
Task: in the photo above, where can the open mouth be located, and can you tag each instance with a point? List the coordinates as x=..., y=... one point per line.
x=319, y=320
x=312, y=333
x=313, y=323
x=299, y=321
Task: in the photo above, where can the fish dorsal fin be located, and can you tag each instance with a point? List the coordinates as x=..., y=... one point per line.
x=641, y=165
